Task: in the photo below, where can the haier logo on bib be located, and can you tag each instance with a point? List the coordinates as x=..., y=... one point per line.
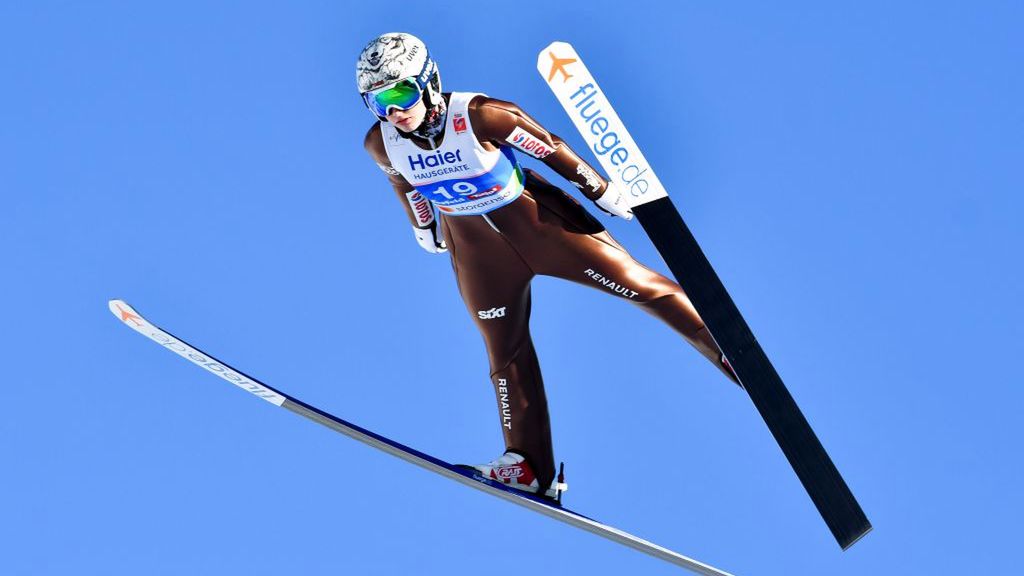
x=421, y=162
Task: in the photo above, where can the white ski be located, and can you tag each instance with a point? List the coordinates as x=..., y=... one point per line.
x=133, y=319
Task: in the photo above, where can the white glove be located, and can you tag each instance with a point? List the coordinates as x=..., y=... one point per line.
x=613, y=201
x=427, y=239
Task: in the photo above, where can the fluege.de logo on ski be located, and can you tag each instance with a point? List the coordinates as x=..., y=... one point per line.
x=580, y=95
x=213, y=366
x=588, y=98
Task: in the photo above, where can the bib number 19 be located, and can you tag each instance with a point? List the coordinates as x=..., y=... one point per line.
x=460, y=188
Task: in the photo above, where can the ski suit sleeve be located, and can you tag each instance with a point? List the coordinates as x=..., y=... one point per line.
x=505, y=124
x=419, y=210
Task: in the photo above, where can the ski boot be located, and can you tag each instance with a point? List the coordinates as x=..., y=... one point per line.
x=513, y=470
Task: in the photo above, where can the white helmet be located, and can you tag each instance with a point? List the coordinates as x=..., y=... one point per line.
x=396, y=56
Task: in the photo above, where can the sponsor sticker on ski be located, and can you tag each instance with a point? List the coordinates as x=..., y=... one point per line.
x=129, y=316
x=598, y=123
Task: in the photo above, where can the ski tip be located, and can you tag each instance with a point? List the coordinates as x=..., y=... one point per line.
x=124, y=312
x=846, y=544
x=556, y=45
x=553, y=59
x=553, y=52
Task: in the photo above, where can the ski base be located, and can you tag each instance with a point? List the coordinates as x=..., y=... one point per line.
x=826, y=487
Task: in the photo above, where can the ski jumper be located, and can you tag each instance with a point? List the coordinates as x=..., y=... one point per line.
x=503, y=226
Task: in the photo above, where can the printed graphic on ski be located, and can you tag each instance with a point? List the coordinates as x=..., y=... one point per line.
x=607, y=138
x=133, y=319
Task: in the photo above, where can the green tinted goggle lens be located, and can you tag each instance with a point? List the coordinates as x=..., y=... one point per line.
x=402, y=95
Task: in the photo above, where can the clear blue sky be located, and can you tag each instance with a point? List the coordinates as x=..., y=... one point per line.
x=853, y=171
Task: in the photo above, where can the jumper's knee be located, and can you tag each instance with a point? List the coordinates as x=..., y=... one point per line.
x=676, y=310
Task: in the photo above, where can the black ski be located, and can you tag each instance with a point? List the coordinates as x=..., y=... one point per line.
x=806, y=455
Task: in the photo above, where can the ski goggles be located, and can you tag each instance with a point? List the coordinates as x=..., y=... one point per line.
x=400, y=95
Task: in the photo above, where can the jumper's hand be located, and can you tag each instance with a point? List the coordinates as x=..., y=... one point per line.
x=613, y=201
x=428, y=240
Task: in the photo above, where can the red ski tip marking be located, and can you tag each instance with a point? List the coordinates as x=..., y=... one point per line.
x=127, y=316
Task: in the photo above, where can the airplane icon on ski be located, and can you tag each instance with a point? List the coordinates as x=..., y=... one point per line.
x=125, y=315
x=558, y=65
